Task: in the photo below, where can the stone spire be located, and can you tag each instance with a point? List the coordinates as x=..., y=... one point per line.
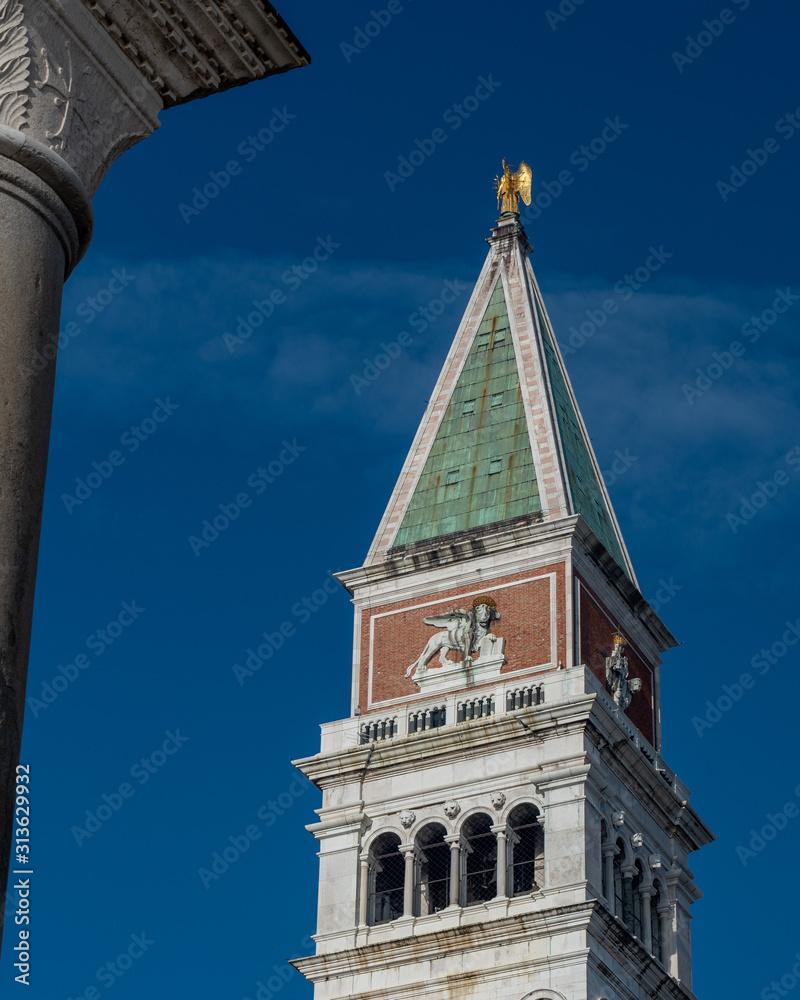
x=503, y=438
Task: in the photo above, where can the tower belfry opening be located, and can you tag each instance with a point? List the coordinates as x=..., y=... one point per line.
x=497, y=817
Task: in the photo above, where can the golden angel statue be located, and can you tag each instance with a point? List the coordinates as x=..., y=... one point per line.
x=513, y=186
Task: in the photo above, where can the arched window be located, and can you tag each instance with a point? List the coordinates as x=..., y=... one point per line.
x=432, y=890
x=636, y=922
x=387, y=876
x=525, y=850
x=480, y=860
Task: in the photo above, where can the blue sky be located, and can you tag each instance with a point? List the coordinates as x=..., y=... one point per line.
x=190, y=416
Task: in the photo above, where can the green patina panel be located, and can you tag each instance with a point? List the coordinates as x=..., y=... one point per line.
x=480, y=468
x=586, y=493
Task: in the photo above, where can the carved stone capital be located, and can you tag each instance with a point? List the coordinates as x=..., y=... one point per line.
x=81, y=82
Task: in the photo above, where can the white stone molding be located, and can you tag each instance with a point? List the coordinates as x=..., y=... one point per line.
x=544, y=995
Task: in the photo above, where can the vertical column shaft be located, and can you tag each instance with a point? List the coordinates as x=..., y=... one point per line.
x=363, y=891
x=408, y=881
x=647, y=892
x=608, y=868
x=502, y=858
x=454, y=841
x=41, y=242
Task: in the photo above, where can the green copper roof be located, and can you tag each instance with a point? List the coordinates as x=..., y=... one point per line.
x=480, y=467
x=587, y=496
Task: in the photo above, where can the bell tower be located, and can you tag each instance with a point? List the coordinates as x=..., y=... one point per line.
x=498, y=820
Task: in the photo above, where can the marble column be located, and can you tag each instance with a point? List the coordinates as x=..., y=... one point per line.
x=609, y=853
x=363, y=891
x=502, y=858
x=647, y=892
x=454, y=840
x=409, y=852
x=79, y=84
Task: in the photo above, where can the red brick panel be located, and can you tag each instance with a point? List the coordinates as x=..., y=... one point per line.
x=597, y=630
x=400, y=637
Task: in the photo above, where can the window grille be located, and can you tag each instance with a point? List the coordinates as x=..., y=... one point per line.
x=524, y=697
x=656, y=924
x=636, y=916
x=480, y=866
x=387, y=877
x=525, y=851
x=619, y=896
x=429, y=718
x=477, y=708
x=432, y=889
x=380, y=729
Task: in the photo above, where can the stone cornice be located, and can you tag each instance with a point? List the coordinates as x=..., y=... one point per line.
x=409, y=752
x=428, y=946
x=188, y=50
x=448, y=550
x=582, y=714
x=611, y=934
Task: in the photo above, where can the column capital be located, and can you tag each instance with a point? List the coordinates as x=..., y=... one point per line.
x=500, y=829
x=81, y=83
x=452, y=839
